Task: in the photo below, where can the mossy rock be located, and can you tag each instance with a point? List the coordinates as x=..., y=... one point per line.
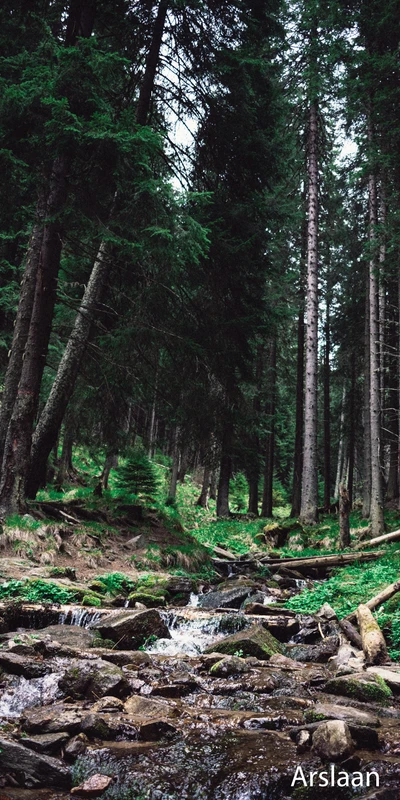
x=97, y=586
x=91, y=600
x=148, y=600
x=255, y=641
x=367, y=688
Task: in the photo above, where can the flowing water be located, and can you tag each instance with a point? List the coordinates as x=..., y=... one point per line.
x=23, y=693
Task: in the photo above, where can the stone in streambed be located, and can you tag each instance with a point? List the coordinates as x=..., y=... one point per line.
x=93, y=787
x=230, y=598
x=76, y=746
x=353, y=716
x=33, y=769
x=130, y=629
x=332, y=741
x=318, y=653
x=15, y=664
x=52, y=719
x=230, y=665
x=67, y=635
x=48, y=743
x=93, y=679
x=362, y=686
x=254, y=641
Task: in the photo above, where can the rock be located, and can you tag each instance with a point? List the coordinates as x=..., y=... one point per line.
x=123, y=658
x=303, y=741
x=69, y=635
x=52, y=719
x=33, y=769
x=93, y=679
x=230, y=665
x=154, y=731
x=390, y=676
x=283, y=628
x=146, y=600
x=93, y=787
x=209, y=659
x=353, y=716
x=283, y=662
x=48, y=743
x=230, y=598
x=108, y=704
x=317, y=653
x=327, y=612
x=144, y=707
x=136, y=542
x=97, y=726
x=254, y=641
x=362, y=686
x=19, y=665
x=332, y=741
x=270, y=610
x=130, y=629
x=76, y=746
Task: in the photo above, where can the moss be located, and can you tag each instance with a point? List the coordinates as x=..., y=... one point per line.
x=91, y=600
x=148, y=600
x=312, y=716
x=97, y=586
x=393, y=604
x=374, y=691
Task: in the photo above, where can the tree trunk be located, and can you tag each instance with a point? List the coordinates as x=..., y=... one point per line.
x=298, y=442
x=22, y=321
x=203, y=499
x=110, y=463
x=374, y=645
x=65, y=466
x=175, y=467
x=344, y=514
x=352, y=431
x=266, y=510
x=64, y=384
x=225, y=471
x=327, y=413
x=366, y=412
x=376, y=512
x=339, y=468
x=309, y=492
x=252, y=480
x=213, y=485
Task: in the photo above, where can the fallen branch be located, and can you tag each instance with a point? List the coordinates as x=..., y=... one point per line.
x=380, y=598
x=387, y=537
x=322, y=561
x=351, y=632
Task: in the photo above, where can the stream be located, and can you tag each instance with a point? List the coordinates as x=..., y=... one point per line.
x=172, y=718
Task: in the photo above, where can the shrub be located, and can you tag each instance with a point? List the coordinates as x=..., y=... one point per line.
x=239, y=490
x=137, y=476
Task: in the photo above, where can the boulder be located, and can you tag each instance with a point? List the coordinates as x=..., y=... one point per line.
x=230, y=665
x=362, y=686
x=33, y=770
x=332, y=741
x=390, y=676
x=95, y=786
x=48, y=743
x=15, y=664
x=52, y=719
x=254, y=641
x=76, y=746
x=123, y=658
x=67, y=635
x=318, y=653
x=229, y=598
x=283, y=628
x=353, y=716
x=108, y=704
x=131, y=629
x=93, y=679
x=156, y=730
x=146, y=708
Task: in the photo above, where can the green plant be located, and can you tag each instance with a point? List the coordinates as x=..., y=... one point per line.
x=137, y=476
x=37, y=591
x=148, y=642
x=239, y=490
x=116, y=583
x=239, y=653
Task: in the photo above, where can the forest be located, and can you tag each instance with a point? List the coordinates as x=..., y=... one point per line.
x=199, y=389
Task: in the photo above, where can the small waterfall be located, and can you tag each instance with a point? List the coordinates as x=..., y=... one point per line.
x=193, y=600
x=82, y=617
x=193, y=635
x=25, y=693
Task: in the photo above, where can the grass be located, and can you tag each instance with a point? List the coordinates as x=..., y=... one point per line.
x=36, y=591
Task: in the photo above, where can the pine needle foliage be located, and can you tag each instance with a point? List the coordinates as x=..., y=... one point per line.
x=137, y=476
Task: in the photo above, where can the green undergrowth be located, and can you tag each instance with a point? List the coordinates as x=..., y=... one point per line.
x=36, y=591
x=350, y=586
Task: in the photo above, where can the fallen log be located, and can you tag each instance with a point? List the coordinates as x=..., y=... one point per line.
x=386, y=537
x=373, y=642
x=380, y=598
x=351, y=632
x=336, y=560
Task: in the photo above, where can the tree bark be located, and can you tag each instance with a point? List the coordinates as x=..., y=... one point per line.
x=339, y=468
x=175, y=467
x=22, y=321
x=366, y=412
x=298, y=442
x=352, y=431
x=309, y=492
x=203, y=499
x=344, y=513
x=327, y=412
x=110, y=463
x=266, y=510
x=65, y=466
x=64, y=384
x=225, y=471
x=376, y=511
x=374, y=645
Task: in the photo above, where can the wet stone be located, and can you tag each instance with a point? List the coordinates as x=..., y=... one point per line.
x=254, y=641
x=49, y=743
x=54, y=719
x=76, y=746
x=93, y=679
x=230, y=665
x=33, y=769
x=130, y=629
x=317, y=653
x=19, y=665
x=332, y=740
x=93, y=787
